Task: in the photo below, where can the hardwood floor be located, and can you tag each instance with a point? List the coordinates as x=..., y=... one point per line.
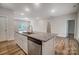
x=66, y=46
x=10, y=48
x=63, y=46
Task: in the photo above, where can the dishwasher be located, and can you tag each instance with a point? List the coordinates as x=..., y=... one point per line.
x=34, y=47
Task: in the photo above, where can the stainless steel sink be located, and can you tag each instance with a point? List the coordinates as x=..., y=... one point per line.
x=28, y=32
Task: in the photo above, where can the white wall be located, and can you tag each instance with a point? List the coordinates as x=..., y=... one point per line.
x=59, y=24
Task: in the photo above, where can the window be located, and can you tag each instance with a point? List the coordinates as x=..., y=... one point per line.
x=24, y=26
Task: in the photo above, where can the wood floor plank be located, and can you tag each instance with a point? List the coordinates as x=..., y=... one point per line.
x=10, y=48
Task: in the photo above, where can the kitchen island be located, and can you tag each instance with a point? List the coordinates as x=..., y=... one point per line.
x=39, y=43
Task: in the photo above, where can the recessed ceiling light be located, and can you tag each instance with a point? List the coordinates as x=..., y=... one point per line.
x=52, y=10
x=27, y=9
x=37, y=4
x=22, y=14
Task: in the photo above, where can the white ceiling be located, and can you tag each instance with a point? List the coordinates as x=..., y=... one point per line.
x=41, y=10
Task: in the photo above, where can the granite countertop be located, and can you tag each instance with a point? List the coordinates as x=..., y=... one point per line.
x=39, y=35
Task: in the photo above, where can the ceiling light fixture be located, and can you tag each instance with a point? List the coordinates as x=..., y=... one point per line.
x=52, y=10
x=27, y=9
x=37, y=4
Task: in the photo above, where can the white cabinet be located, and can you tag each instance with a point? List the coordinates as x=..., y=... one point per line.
x=34, y=48
x=22, y=42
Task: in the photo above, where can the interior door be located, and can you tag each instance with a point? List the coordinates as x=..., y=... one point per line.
x=71, y=27
x=3, y=29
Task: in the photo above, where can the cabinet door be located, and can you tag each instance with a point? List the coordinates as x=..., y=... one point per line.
x=3, y=29
x=19, y=40
x=25, y=44
x=22, y=41
x=34, y=48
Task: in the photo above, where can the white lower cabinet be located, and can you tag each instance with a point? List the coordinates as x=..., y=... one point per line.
x=22, y=42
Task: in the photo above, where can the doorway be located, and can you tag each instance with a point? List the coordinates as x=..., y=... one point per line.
x=71, y=28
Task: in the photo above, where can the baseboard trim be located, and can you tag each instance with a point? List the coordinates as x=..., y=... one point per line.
x=3, y=41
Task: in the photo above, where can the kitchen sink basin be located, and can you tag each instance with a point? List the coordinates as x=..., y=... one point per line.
x=28, y=32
